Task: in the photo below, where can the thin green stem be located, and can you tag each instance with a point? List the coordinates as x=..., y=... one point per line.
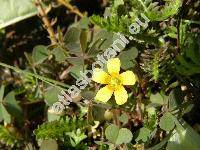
x=191, y=21
x=143, y=5
x=44, y=79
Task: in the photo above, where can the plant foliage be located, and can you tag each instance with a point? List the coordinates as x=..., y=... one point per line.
x=42, y=59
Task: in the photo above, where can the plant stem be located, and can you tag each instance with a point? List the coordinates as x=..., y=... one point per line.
x=143, y=5
x=71, y=8
x=116, y=117
x=46, y=21
x=44, y=79
x=138, y=108
x=142, y=90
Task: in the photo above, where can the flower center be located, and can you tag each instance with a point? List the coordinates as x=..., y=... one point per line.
x=114, y=82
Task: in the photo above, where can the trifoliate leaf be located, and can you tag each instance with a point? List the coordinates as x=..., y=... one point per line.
x=118, y=136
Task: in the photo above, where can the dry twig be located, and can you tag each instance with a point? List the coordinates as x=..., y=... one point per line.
x=70, y=7
x=46, y=21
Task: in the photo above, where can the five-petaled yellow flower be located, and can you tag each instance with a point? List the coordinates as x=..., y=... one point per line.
x=114, y=81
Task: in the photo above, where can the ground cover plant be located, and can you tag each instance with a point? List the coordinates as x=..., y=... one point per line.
x=143, y=94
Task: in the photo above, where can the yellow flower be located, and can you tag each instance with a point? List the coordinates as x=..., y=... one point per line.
x=114, y=81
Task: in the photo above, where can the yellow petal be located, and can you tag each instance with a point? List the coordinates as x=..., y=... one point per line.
x=104, y=94
x=100, y=76
x=113, y=66
x=121, y=95
x=128, y=78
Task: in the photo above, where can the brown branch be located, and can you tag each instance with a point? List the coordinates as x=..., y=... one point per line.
x=138, y=107
x=46, y=21
x=141, y=93
x=71, y=8
x=116, y=113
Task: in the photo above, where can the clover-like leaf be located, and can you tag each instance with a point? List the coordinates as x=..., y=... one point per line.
x=143, y=135
x=167, y=122
x=112, y=133
x=124, y=136
x=118, y=136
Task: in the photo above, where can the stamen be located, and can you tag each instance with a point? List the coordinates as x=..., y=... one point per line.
x=114, y=82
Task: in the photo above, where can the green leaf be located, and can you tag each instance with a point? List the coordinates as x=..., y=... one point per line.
x=143, y=135
x=76, y=137
x=76, y=61
x=2, y=92
x=123, y=118
x=9, y=136
x=118, y=136
x=83, y=40
x=167, y=122
x=74, y=48
x=184, y=137
x=84, y=22
x=171, y=8
x=88, y=95
x=75, y=71
x=52, y=117
x=176, y=97
x=188, y=61
x=13, y=11
x=96, y=113
x=72, y=35
x=4, y=114
x=78, y=64
x=51, y=95
x=105, y=37
x=157, y=99
x=127, y=58
x=124, y=136
x=160, y=145
x=12, y=105
x=111, y=133
x=59, y=54
x=118, y=2
x=1, y=100
x=76, y=40
x=40, y=53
